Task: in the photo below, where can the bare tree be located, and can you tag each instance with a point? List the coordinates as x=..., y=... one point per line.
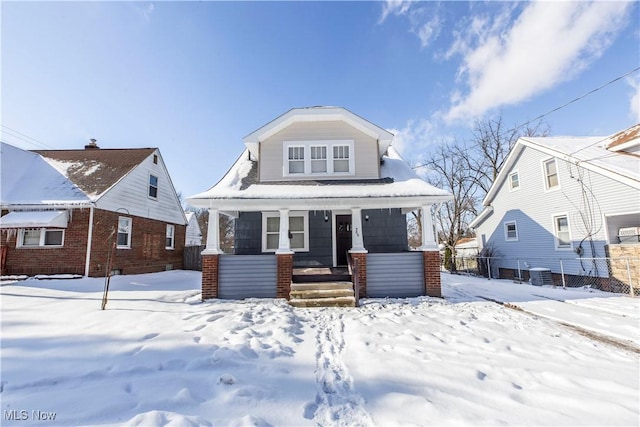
x=490, y=144
x=450, y=172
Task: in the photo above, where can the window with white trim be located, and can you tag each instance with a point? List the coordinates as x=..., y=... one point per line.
x=311, y=158
x=169, y=240
x=318, y=159
x=124, y=233
x=511, y=231
x=37, y=237
x=298, y=231
x=562, y=234
x=296, y=160
x=514, y=181
x=551, y=180
x=153, y=186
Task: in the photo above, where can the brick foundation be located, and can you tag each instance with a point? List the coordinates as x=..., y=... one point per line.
x=210, y=265
x=431, y=261
x=284, y=275
x=360, y=259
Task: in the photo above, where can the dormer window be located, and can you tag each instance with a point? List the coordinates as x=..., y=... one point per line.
x=311, y=158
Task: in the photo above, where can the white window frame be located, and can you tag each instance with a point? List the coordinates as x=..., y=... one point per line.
x=312, y=160
x=306, y=145
x=150, y=186
x=130, y=232
x=545, y=175
x=170, y=233
x=293, y=214
x=556, y=231
x=511, y=186
x=41, y=238
x=506, y=234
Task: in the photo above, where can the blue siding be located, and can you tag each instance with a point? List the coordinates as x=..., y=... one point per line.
x=385, y=231
x=395, y=275
x=247, y=276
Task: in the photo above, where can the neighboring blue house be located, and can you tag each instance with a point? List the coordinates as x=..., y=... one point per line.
x=566, y=198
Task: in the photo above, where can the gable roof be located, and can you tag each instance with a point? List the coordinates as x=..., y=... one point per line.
x=316, y=114
x=27, y=179
x=593, y=153
x=94, y=171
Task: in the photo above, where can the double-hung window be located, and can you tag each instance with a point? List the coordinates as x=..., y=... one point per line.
x=514, y=181
x=153, y=186
x=551, y=180
x=318, y=159
x=298, y=231
x=511, y=231
x=169, y=237
x=36, y=237
x=562, y=234
x=124, y=232
x=296, y=160
x=341, y=158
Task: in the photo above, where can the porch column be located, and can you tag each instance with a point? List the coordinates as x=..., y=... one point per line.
x=211, y=257
x=284, y=258
x=430, y=255
x=358, y=252
x=428, y=238
x=357, y=241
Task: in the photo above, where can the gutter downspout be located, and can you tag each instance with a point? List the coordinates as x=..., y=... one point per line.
x=89, y=238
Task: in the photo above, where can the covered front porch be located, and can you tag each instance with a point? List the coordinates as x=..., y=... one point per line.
x=272, y=245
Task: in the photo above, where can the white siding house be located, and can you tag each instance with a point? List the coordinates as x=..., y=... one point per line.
x=193, y=235
x=562, y=198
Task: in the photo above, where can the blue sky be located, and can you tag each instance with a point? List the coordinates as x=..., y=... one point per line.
x=193, y=78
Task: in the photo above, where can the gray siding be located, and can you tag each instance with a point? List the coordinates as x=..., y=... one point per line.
x=534, y=208
x=320, y=243
x=249, y=276
x=395, y=275
x=385, y=231
x=367, y=162
x=248, y=233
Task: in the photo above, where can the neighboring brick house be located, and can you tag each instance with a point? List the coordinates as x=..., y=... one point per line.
x=88, y=211
x=316, y=188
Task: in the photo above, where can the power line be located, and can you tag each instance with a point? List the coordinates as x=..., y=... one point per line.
x=561, y=107
x=24, y=137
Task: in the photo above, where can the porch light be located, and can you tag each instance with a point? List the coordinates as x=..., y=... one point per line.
x=366, y=217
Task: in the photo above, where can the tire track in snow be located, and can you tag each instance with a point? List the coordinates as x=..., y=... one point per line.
x=336, y=403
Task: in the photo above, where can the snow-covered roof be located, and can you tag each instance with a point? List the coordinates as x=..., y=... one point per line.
x=397, y=181
x=27, y=179
x=316, y=114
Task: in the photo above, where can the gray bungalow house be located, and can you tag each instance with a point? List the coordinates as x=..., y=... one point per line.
x=317, y=188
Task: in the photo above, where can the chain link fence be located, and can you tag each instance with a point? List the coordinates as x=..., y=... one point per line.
x=617, y=275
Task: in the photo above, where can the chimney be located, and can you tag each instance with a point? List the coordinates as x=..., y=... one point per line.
x=92, y=145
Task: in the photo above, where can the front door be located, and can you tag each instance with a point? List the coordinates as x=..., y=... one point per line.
x=343, y=238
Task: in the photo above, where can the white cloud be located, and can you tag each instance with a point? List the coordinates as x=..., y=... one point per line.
x=634, y=82
x=505, y=61
x=429, y=31
x=394, y=7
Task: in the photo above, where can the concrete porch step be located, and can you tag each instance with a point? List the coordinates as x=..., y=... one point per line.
x=324, y=302
x=320, y=286
x=321, y=293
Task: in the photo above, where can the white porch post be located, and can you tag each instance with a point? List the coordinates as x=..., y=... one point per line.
x=284, y=245
x=357, y=241
x=213, y=234
x=428, y=238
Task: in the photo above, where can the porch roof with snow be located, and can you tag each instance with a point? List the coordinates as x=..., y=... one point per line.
x=398, y=187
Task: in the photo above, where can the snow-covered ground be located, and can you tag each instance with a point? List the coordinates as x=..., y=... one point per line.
x=159, y=356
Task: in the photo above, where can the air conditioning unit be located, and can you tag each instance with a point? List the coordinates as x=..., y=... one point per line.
x=540, y=276
x=629, y=235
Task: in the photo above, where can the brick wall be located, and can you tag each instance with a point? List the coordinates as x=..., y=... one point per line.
x=284, y=275
x=361, y=260
x=210, y=266
x=147, y=253
x=432, y=273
